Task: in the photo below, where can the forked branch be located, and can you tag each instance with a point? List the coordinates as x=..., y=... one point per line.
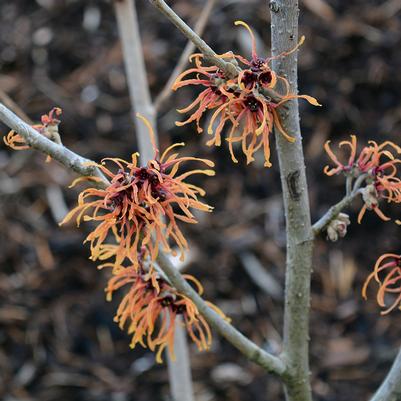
x=78, y=164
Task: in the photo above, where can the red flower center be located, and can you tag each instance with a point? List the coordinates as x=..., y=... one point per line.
x=252, y=103
x=257, y=64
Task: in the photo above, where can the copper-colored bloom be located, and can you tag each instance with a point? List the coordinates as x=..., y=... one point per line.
x=387, y=275
x=240, y=101
x=211, y=97
x=48, y=127
x=150, y=307
x=142, y=205
x=378, y=165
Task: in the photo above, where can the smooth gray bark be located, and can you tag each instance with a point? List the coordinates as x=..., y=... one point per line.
x=284, y=31
x=390, y=389
x=179, y=370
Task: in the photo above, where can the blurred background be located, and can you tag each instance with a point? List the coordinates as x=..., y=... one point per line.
x=57, y=336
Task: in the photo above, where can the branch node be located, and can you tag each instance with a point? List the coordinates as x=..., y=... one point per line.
x=274, y=7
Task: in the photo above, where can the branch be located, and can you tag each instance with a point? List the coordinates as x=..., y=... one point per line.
x=390, y=389
x=179, y=370
x=73, y=161
x=183, y=60
x=332, y=213
x=284, y=31
x=229, y=68
x=254, y=353
x=136, y=74
x=66, y=157
x=335, y=210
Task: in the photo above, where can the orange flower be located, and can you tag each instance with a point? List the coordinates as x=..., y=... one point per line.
x=241, y=101
x=209, y=98
x=387, y=275
x=255, y=117
x=377, y=166
x=48, y=128
x=141, y=206
x=259, y=74
x=150, y=308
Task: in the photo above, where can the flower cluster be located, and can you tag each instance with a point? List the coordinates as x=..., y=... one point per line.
x=387, y=275
x=241, y=102
x=149, y=309
x=136, y=214
x=141, y=206
x=377, y=165
x=48, y=127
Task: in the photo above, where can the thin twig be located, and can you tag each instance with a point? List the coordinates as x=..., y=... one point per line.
x=348, y=185
x=73, y=161
x=335, y=210
x=58, y=152
x=229, y=69
x=200, y=25
x=254, y=353
x=390, y=389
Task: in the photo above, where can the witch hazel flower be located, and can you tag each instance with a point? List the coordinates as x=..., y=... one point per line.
x=242, y=108
x=386, y=276
x=48, y=128
x=376, y=166
x=149, y=309
x=211, y=78
x=142, y=205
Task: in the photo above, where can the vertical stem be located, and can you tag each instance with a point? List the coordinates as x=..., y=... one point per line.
x=179, y=370
x=284, y=31
x=136, y=74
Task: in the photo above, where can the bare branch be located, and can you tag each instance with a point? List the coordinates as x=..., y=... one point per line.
x=390, y=389
x=229, y=69
x=200, y=25
x=254, y=353
x=66, y=157
x=179, y=369
x=284, y=30
x=73, y=161
x=136, y=74
x=333, y=212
